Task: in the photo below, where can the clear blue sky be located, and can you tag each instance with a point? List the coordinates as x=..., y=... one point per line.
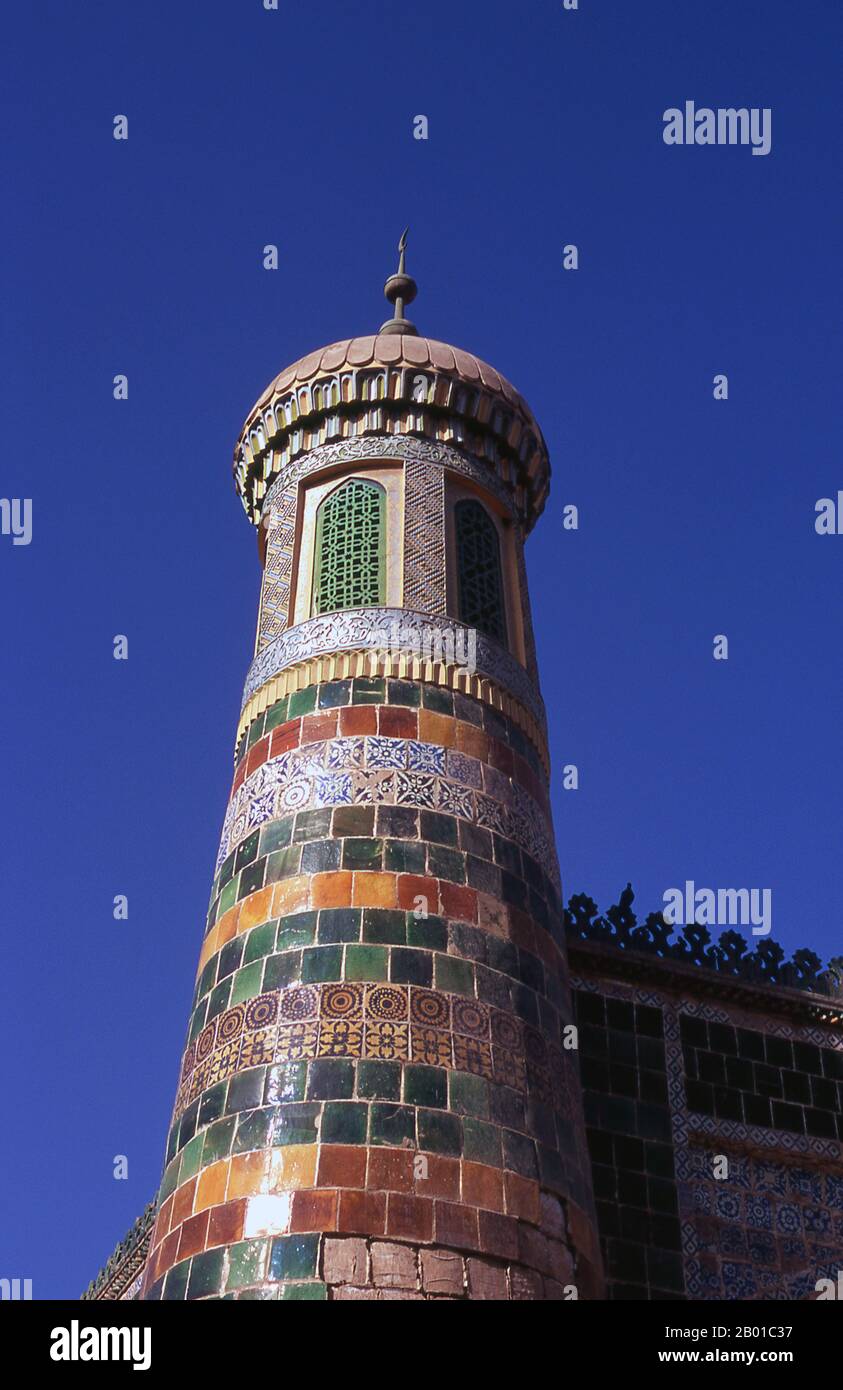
x=144, y=257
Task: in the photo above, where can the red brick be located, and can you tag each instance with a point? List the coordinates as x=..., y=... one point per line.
x=346, y=1261
x=395, y=722
x=390, y=1170
x=226, y=1223
x=193, y=1235
x=409, y=1218
x=456, y=1225
x=341, y=1165
x=358, y=719
x=239, y=776
x=363, y=1213
x=487, y=1280
x=314, y=1210
x=442, y=1272
x=167, y=1253
x=285, y=737
x=393, y=1266
x=458, y=901
x=525, y=1284
x=498, y=1235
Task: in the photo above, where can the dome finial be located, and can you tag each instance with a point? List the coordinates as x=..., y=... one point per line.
x=400, y=289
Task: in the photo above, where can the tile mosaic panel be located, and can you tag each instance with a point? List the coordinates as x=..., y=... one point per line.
x=379, y=1022
x=386, y=771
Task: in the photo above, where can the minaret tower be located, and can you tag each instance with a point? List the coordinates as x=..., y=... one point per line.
x=379, y=1096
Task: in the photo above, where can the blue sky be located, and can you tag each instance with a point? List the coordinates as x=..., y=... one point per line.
x=696, y=516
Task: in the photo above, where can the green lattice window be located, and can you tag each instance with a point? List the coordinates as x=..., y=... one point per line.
x=481, y=602
x=350, y=548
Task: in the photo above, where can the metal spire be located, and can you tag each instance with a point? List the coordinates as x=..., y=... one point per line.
x=400, y=289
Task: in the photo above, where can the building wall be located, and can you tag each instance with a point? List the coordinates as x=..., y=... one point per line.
x=715, y=1129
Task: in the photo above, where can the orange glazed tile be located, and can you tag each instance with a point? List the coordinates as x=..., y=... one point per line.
x=342, y=1165
x=332, y=890
x=522, y=1197
x=362, y=1212
x=458, y=901
x=437, y=728
x=226, y=1223
x=285, y=738
x=183, y=1202
x=292, y=1166
x=358, y=719
x=255, y=910
x=472, y=740
x=290, y=894
x=375, y=890
x=210, y=1189
x=248, y=1174
x=390, y=1170
x=319, y=726
x=162, y=1225
x=193, y=1235
x=482, y=1186
x=412, y=886
x=443, y=1177
x=314, y=1211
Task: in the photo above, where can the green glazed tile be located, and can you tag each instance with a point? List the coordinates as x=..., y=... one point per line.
x=304, y=1292
x=255, y=731
x=247, y=982
x=260, y=942
x=384, y=925
x=379, y=1080
x=276, y=715
x=219, y=997
x=453, y=975
x=252, y=1131
x=425, y=1086
x=296, y=1124
x=440, y=1132
x=228, y=896
x=247, y=1263
x=321, y=963
x=294, y=1257
x=393, y=1124
x=482, y=1143
x=344, y=1122
x=298, y=930
x=362, y=853
x=366, y=963
x=276, y=835
x=468, y=1095
x=175, y=1285
x=191, y=1159
x=282, y=970
x=302, y=702
x=205, y=1274
x=429, y=932
x=218, y=1140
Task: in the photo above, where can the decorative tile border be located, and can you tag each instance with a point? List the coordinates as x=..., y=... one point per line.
x=381, y=771
x=380, y=1022
x=364, y=629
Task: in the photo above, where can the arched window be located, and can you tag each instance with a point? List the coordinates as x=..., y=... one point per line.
x=480, y=587
x=349, y=557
